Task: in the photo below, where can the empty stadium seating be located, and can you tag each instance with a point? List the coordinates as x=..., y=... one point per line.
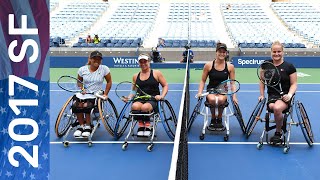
x=249, y=25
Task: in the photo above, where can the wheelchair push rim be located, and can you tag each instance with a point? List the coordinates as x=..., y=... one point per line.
x=108, y=114
x=304, y=123
x=238, y=115
x=169, y=119
x=195, y=113
x=253, y=118
x=64, y=115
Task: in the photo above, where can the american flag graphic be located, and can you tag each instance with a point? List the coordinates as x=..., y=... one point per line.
x=37, y=12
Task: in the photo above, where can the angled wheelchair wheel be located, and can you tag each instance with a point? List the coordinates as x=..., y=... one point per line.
x=122, y=121
x=238, y=114
x=304, y=123
x=108, y=114
x=255, y=116
x=65, y=119
x=168, y=117
x=195, y=113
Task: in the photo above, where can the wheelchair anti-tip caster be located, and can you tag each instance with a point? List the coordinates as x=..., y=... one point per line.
x=65, y=143
x=124, y=146
x=259, y=145
x=226, y=138
x=201, y=137
x=286, y=150
x=90, y=143
x=150, y=147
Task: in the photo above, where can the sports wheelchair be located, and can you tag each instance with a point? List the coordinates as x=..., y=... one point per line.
x=227, y=113
x=67, y=121
x=164, y=114
x=303, y=121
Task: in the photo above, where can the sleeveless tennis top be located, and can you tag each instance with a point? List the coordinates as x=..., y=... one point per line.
x=150, y=86
x=216, y=77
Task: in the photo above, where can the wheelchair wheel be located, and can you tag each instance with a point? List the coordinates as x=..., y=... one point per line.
x=169, y=119
x=108, y=114
x=122, y=121
x=238, y=114
x=304, y=123
x=64, y=119
x=254, y=117
x=195, y=113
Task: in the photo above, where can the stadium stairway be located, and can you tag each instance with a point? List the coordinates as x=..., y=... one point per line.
x=159, y=25
x=219, y=25
x=97, y=25
x=276, y=19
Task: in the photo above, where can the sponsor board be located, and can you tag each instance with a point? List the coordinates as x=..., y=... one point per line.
x=297, y=61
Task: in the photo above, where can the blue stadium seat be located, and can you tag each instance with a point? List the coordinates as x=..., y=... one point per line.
x=100, y=44
x=210, y=44
x=76, y=45
x=259, y=45
x=92, y=45
x=243, y=45
x=126, y=44
x=118, y=45
x=194, y=43
x=122, y=41
x=114, y=41
x=81, y=40
x=84, y=45
x=110, y=45
x=134, y=45
x=202, y=44
x=176, y=44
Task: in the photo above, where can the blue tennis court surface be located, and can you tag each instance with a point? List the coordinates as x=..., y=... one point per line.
x=211, y=158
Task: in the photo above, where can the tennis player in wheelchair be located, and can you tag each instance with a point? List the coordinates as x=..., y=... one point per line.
x=148, y=81
x=279, y=103
x=217, y=70
x=95, y=73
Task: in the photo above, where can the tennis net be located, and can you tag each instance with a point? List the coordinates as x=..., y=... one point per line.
x=179, y=162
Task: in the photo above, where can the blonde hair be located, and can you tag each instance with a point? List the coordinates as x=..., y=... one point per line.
x=145, y=54
x=277, y=43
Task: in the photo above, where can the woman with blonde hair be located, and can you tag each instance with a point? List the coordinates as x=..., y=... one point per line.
x=148, y=81
x=277, y=102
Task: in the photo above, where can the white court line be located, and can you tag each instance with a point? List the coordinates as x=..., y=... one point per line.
x=170, y=142
x=198, y=83
x=241, y=91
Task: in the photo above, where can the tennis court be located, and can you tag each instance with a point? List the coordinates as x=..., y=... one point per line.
x=211, y=158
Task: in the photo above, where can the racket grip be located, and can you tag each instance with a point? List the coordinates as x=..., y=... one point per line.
x=202, y=95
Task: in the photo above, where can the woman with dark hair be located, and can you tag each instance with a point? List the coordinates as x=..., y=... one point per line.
x=92, y=73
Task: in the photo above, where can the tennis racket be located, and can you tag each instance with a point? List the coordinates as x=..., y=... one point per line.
x=74, y=85
x=227, y=87
x=129, y=91
x=269, y=75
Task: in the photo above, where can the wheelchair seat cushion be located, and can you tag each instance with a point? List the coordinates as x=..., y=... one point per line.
x=207, y=104
x=142, y=117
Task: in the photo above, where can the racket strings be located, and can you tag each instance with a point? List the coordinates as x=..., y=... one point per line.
x=228, y=87
x=69, y=83
x=269, y=74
